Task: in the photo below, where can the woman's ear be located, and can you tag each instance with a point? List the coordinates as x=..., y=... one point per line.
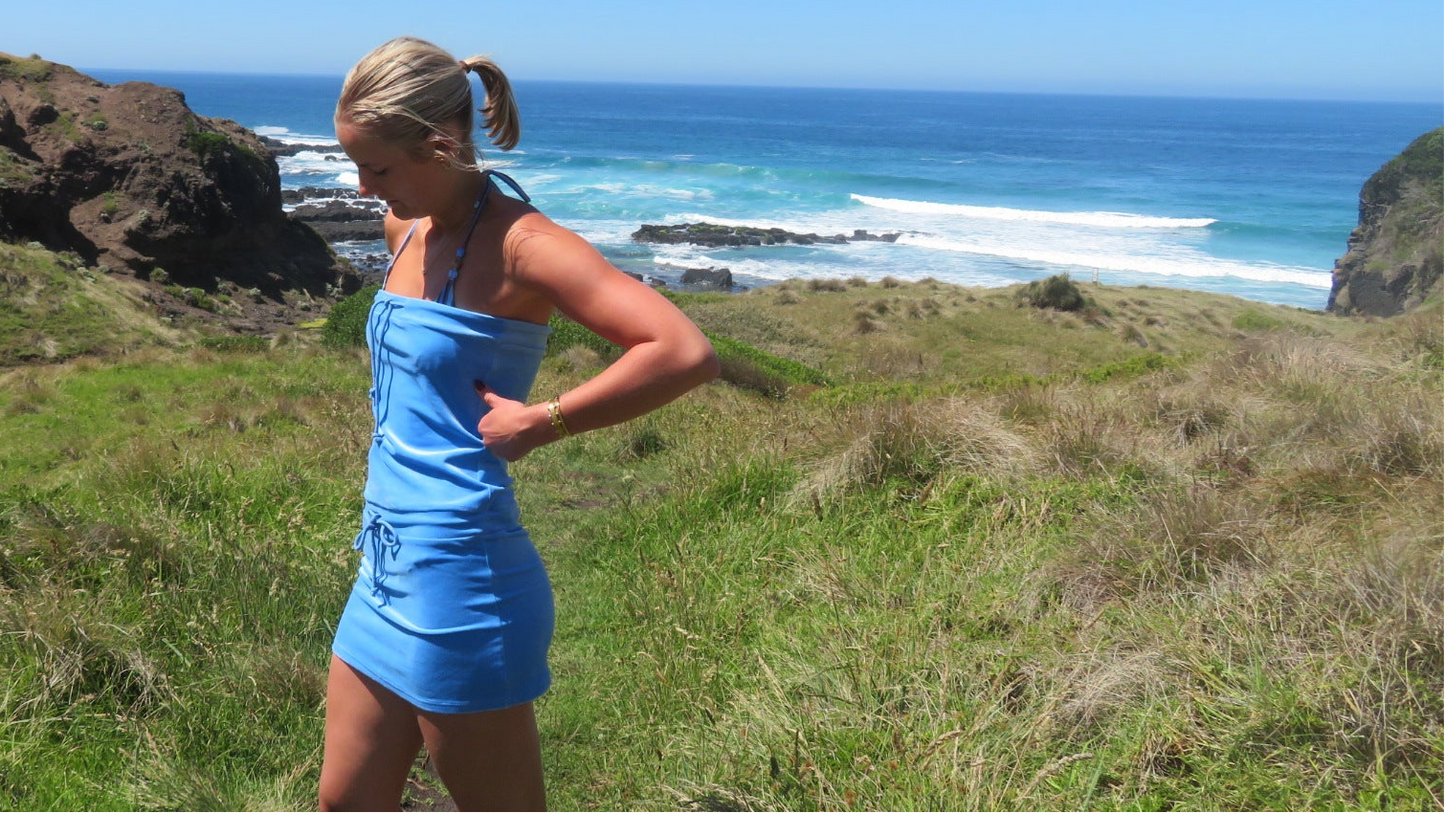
x=443, y=148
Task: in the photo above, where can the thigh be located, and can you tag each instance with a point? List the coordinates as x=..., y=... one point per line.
x=372, y=740
x=489, y=760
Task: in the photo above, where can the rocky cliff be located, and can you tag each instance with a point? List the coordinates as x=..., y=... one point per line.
x=1394, y=258
x=128, y=178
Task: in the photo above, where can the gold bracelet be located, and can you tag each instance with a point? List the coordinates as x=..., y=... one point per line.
x=554, y=413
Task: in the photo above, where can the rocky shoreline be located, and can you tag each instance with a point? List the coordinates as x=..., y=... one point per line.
x=280, y=148
x=338, y=215
x=343, y=216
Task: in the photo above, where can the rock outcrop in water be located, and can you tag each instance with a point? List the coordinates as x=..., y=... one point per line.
x=714, y=235
x=340, y=221
x=1394, y=257
x=128, y=178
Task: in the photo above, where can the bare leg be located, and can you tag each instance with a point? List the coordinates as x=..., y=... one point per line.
x=372, y=739
x=490, y=760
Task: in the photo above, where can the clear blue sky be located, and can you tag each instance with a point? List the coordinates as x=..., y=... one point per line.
x=1387, y=50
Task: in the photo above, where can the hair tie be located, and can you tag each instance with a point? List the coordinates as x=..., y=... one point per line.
x=465, y=67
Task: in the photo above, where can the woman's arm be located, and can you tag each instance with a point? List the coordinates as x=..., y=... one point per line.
x=665, y=354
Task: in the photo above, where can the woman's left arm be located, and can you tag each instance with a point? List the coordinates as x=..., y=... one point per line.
x=665, y=355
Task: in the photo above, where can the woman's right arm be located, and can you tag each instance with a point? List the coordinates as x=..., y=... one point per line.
x=664, y=353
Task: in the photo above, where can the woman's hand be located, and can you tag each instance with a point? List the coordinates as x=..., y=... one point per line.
x=510, y=429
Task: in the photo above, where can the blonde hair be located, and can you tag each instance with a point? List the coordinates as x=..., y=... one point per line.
x=409, y=91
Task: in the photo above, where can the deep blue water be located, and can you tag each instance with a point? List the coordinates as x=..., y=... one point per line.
x=1247, y=197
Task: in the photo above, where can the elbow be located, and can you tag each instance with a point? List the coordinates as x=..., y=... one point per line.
x=698, y=361
x=687, y=362
x=704, y=363
x=710, y=367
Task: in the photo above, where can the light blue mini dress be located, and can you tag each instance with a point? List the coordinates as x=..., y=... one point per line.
x=451, y=608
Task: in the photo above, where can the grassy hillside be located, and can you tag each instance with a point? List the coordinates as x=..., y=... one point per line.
x=52, y=308
x=1168, y=551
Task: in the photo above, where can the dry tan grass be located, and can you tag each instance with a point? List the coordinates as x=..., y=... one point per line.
x=864, y=323
x=918, y=442
x=580, y=359
x=79, y=653
x=829, y=285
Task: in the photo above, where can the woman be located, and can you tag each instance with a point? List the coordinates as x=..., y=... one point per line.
x=444, y=637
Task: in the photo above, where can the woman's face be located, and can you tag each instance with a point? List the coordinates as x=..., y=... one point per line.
x=407, y=183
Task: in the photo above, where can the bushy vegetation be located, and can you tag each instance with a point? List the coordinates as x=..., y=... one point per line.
x=1057, y=292
x=1421, y=159
x=1010, y=560
x=204, y=142
x=346, y=323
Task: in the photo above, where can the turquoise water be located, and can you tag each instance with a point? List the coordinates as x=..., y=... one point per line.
x=1251, y=198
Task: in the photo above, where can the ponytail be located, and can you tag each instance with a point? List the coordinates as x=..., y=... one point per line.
x=411, y=92
x=504, y=126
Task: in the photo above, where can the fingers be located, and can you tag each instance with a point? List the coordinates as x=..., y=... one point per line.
x=491, y=398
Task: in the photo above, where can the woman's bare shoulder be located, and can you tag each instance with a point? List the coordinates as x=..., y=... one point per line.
x=534, y=240
x=395, y=229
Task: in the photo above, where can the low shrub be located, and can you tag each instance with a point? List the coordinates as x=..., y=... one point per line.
x=1057, y=293
x=346, y=323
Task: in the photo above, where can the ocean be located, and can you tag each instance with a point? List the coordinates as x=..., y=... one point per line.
x=1246, y=197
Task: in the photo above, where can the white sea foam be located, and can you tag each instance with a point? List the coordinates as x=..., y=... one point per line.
x=375, y=205
x=350, y=179
x=778, y=269
x=1178, y=262
x=535, y=181
x=310, y=162
x=603, y=232
x=285, y=136
x=1118, y=220
x=643, y=190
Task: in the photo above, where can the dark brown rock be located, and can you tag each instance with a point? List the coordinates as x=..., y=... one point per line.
x=719, y=278
x=127, y=177
x=340, y=220
x=715, y=236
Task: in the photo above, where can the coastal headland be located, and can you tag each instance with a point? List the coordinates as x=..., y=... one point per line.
x=131, y=182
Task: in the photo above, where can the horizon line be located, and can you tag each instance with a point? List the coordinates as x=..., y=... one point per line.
x=1222, y=96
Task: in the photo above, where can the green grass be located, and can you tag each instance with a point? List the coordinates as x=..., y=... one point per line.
x=52, y=308
x=204, y=143
x=166, y=560
x=31, y=69
x=1054, y=571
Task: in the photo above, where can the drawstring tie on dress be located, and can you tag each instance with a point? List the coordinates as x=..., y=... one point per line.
x=383, y=539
